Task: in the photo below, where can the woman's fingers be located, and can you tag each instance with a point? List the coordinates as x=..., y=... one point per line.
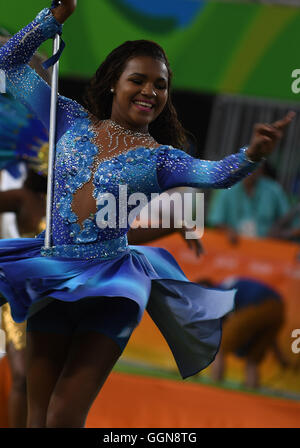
x=69, y=3
x=285, y=121
x=269, y=131
x=197, y=246
x=194, y=244
x=200, y=248
x=64, y=10
x=265, y=137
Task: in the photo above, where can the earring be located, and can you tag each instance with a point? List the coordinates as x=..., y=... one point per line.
x=112, y=90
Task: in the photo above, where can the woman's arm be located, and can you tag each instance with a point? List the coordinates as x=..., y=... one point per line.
x=176, y=168
x=11, y=201
x=283, y=227
x=146, y=235
x=24, y=83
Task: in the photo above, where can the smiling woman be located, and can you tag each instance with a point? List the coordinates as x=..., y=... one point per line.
x=140, y=93
x=137, y=71
x=84, y=296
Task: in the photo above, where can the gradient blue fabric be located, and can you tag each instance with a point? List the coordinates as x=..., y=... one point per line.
x=188, y=315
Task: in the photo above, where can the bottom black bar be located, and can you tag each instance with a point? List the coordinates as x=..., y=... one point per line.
x=107, y=437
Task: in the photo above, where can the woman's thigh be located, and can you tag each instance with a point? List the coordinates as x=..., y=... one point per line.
x=16, y=359
x=102, y=327
x=45, y=358
x=74, y=366
x=91, y=358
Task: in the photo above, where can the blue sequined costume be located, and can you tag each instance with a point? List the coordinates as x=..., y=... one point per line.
x=90, y=261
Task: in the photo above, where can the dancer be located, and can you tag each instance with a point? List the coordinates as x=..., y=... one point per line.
x=29, y=204
x=85, y=295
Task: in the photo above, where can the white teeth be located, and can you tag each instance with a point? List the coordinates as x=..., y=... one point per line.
x=141, y=103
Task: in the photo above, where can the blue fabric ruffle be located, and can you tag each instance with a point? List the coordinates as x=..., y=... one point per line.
x=188, y=315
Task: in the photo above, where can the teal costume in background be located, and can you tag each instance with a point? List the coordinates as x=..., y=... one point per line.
x=235, y=207
x=90, y=261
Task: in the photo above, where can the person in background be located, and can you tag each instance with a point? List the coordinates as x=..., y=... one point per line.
x=288, y=227
x=249, y=208
x=251, y=330
x=29, y=205
x=23, y=185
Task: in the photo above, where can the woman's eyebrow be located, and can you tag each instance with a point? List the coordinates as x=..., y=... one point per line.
x=145, y=76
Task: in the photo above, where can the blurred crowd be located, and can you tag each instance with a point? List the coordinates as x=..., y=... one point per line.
x=256, y=207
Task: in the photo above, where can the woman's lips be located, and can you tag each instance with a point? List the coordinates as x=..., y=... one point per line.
x=143, y=107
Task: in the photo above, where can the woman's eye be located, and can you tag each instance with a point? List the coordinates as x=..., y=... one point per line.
x=140, y=82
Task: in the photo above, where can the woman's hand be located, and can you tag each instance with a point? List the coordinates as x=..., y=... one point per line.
x=266, y=136
x=194, y=244
x=64, y=10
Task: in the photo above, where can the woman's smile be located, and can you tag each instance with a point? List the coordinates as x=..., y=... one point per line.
x=141, y=93
x=144, y=105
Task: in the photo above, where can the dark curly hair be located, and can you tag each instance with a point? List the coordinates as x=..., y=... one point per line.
x=166, y=128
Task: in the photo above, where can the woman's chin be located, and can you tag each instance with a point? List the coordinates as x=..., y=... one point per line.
x=140, y=122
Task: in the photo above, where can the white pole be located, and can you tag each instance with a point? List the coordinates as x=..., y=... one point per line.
x=52, y=140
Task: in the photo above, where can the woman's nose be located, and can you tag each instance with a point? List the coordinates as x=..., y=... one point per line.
x=149, y=90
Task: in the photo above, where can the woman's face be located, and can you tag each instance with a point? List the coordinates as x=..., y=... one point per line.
x=140, y=93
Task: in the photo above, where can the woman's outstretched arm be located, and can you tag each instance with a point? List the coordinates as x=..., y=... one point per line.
x=176, y=168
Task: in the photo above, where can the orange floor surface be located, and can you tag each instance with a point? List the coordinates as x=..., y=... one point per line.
x=133, y=401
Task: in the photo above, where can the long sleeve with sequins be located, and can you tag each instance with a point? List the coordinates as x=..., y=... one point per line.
x=176, y=168
x=24, y=83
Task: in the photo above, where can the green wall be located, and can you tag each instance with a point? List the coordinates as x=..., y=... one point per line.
x=241, y=48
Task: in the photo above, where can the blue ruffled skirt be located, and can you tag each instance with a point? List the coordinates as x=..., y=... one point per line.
x=188, y=315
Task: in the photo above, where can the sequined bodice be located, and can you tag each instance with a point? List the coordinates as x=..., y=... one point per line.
x=78, y=163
